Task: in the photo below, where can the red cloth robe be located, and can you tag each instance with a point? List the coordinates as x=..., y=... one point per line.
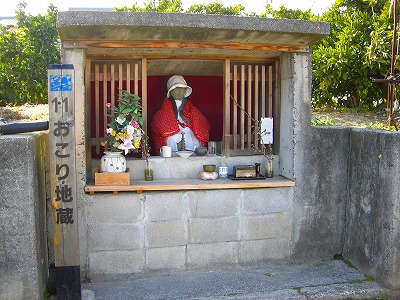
x=165, y=124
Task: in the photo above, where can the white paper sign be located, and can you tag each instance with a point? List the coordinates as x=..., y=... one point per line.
x=267, y=130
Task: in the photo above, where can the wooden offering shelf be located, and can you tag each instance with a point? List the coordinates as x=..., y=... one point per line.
x=190, y=184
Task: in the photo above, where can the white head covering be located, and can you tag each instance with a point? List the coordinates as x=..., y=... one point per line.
x=178, y=81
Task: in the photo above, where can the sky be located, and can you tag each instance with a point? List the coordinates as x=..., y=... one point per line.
x=34, y=7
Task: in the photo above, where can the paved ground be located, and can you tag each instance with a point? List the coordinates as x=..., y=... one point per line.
x=322, y=280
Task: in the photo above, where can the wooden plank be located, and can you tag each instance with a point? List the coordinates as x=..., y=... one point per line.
x=242, y=98
x=128, y=78
x=136, y=82
x=186, y=45
x=104, y=108
x=120, y=77
x=249, y=101
x=62, y=164
x=256, y=109
x=144, y=94
x=61, y=93
x=227, y=108
x=271, y=91
x=235, y=107
x=255, y=57
x=112, y=74
x=263, y=98
x=97, y=106
x=193, y=184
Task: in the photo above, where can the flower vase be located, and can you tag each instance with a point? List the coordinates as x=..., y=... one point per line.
x=148, y=172
x=269, y=167
x=113, y=162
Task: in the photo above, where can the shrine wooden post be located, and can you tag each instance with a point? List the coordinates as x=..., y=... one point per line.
x=63, y=181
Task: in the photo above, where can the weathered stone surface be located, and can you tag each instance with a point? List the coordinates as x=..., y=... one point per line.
x=115, y=237
x=205, y=28
x=166, y=206
x=264, y=250
x=116, y=209
x=372, y=232
x=255, y=202
x=170, y=258
x=213, y=204
x=272, y=226
x=318, y=280
x=214, y=230
x=23, y=247
x=166, y=234
x=212, y=255
x=115, y=262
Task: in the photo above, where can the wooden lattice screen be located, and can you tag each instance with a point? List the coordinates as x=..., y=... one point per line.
x=251, y=93
x=103, y=83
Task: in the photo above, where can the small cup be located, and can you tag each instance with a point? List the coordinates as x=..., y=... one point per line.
x=166, y=151
x=212, y=148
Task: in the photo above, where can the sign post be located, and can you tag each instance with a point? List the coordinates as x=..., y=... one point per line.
x=63, y=181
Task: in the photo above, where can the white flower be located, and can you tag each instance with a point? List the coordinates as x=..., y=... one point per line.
x=126, y=146
x=109, y=130
x=130, y=130
x=120, y=121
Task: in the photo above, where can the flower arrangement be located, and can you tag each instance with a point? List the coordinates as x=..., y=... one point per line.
x=124, y=132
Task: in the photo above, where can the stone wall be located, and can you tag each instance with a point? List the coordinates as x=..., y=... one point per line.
x=187, y=229
x=372, y=227
x=347, y=200
x=321, y=193
x=23, y=248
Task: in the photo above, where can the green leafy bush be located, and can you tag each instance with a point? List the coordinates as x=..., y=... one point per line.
x=322, y=121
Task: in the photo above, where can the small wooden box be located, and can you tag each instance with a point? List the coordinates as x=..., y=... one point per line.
x=111, y=178
x=244, y=171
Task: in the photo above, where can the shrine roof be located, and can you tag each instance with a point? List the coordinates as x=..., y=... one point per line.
x=179, y=27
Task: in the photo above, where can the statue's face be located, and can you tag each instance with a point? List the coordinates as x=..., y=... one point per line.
x=178, y=93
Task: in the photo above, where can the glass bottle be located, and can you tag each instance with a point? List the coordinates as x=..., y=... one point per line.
x=269, y=167
x=148, y=173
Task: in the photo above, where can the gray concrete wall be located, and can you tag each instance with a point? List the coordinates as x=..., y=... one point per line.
x=23, y=249
x=321, y=193
x=317, y=160
x=372, y=231
x=347, y=200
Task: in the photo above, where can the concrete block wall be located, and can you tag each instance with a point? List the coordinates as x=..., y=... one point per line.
x=23, y=247
x=130, y=233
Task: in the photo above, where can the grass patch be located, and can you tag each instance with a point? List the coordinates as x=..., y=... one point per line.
x=349, y=264
x=359, y=281
x=381, y=126
x=369, y=278
x=322, y=121
x=24, y=113
x=383, y=296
